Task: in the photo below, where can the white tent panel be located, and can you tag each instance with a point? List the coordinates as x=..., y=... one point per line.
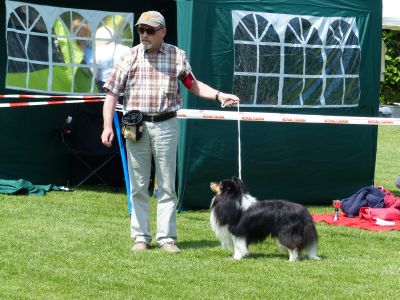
x=391, y=14
x=390, y=20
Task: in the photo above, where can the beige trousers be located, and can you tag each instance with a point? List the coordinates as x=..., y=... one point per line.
x=160, y=140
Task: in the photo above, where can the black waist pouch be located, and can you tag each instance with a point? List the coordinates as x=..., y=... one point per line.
x=132, y=125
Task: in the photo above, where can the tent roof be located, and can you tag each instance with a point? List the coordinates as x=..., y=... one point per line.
x=391, y=14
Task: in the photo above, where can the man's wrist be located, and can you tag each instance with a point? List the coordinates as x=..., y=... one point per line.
x=217, y=97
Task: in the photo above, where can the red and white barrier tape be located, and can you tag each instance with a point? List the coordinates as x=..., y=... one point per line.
x=285, y=118
x=58, y=99
x=22, y=96
x=39, y=103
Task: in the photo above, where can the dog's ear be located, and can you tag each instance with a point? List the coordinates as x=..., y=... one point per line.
x=237, y=180
x=225, y=185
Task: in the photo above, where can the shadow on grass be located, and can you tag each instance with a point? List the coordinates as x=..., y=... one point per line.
x=198, y=244
x=202, y=244
x=283, y=256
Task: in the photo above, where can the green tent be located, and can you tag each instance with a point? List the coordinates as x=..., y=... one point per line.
x=289, y=56
x=306, y=57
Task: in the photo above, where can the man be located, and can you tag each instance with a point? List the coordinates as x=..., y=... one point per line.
x=148, y=75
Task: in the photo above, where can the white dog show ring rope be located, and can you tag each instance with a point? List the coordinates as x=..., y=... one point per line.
x=284, y=118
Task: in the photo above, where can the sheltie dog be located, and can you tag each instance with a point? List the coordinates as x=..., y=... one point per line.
x=238, y=219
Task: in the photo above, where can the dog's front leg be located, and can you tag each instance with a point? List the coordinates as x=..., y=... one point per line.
x=240, y=248
x=293, y=254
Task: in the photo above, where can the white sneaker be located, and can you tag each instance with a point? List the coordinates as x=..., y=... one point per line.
x=140, y=246
x=171, y=248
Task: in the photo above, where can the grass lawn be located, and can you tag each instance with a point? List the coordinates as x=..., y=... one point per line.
x=76, y=246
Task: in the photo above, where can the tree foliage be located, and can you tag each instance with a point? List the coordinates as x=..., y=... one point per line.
x=390, y=88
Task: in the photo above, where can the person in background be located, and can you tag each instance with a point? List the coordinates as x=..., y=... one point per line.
x=81, y=30
x=149, y=76
x=398, y=182
x=107, y=53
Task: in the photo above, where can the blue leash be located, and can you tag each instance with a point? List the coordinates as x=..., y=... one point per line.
x=124, y=161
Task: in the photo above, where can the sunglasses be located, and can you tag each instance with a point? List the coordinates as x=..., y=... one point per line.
x=150, y=31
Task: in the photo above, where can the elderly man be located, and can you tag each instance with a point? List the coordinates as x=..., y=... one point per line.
x=148, y=75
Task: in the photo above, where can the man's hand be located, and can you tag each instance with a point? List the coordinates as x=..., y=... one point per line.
x=228, y=99
x=107, y=137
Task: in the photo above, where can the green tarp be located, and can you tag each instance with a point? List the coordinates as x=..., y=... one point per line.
x=298, y=56
x=23, y=187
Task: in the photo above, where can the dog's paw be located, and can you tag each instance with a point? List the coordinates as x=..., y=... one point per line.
x=293, y=255
x=237, y=256
x=315, y=257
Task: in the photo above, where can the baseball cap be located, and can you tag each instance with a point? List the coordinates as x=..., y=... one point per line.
x=151, y=18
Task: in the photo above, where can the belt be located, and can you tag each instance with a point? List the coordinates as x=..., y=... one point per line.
x=159, y=117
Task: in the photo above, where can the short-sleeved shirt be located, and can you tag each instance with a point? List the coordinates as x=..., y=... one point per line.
x=150, y=81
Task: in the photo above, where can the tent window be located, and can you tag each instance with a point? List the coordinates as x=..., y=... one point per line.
x=295, y=61
x=25, y=27
x=51, y=48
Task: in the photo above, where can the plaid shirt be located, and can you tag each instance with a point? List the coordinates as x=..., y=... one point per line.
x=149, y=81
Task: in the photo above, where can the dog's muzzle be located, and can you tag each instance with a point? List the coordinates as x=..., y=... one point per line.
x=214, y=186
